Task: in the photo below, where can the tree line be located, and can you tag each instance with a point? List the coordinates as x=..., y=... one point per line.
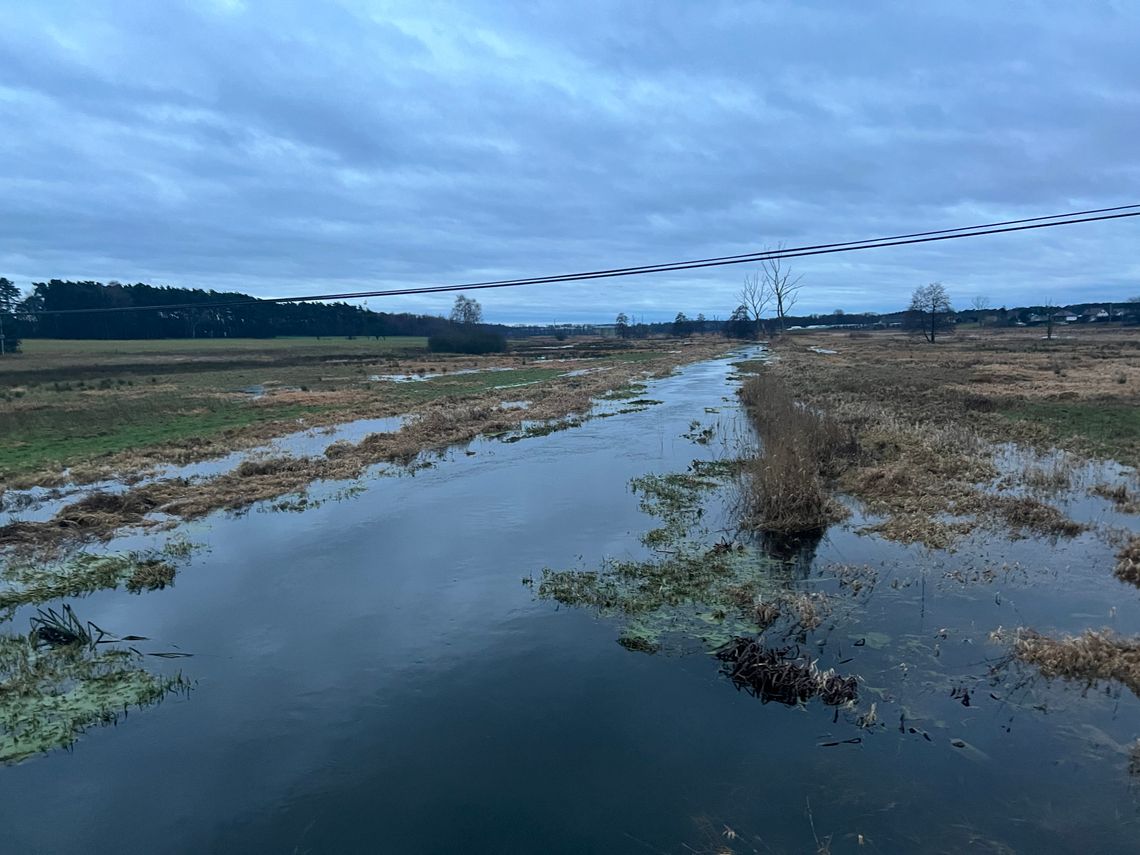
x=247, y=318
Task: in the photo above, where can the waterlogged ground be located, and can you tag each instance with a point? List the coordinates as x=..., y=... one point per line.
x=393, y=671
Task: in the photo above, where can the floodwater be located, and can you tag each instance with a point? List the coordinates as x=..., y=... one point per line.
x=372, y=675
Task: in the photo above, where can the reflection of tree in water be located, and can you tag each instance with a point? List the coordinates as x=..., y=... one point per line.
x=795, y=550
x=64, y=677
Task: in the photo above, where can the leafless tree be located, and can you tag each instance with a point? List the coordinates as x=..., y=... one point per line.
x=980, y=304
x=930, y=310
x=784, y=287
x=755, y=295
x=1050, y=311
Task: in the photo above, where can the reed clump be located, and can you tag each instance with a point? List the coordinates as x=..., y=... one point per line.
x=801, y=449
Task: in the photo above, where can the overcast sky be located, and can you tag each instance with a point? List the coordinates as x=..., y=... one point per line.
x=286, y=148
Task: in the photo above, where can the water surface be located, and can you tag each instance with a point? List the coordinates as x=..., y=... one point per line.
x=373, y=676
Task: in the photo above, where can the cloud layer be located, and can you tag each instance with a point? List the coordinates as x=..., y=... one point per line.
x=284, y=148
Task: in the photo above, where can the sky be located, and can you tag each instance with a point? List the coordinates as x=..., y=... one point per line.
x=285, y=148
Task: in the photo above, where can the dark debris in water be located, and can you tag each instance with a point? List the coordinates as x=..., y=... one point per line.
x=782, y=674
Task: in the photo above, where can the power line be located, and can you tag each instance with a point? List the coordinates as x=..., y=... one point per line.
x=1025, y=224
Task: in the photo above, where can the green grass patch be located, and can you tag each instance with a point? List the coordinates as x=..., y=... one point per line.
x=1109, y=428
x=67, y=436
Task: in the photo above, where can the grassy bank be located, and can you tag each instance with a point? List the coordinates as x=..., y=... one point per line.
x=909, y=429
x=116, y=407
x=446, y=401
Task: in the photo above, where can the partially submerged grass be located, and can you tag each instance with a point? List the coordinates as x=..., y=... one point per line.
x=1125, y=500
x=1107, y=427
x=782, y=675
x=51, y=693
x=1089, y=658
x=26, y=582
x=435, y=423
x=872, y=430
x=1128, y=561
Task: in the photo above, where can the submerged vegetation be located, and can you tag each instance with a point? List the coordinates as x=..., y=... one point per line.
x=782, y=675
x=26, y=582
x=63, y=678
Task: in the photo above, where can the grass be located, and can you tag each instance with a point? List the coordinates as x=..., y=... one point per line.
x=36, y=582
x=49, y=695
x=1090, y=657
x=1128, y=561
x=35, y=347
x=925, y=421
x=62, y=438
x=801, y=446
x=1106, y=428
x=105, y=407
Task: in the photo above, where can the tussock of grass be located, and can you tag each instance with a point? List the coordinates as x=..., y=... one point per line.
x=1089, y=657
x=1033, y=515
x=1128, y=561
x=1125, y=500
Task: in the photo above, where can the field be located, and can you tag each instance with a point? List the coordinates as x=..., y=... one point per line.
x=80, y=412
x=909, y=429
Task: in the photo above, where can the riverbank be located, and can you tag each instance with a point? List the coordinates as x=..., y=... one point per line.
x=440, y=402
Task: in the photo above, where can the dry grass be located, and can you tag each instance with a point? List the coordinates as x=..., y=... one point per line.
x=432, y=425
x=1126, y=501
x=1128, y=561
x=800, y=448
x=891, y=423
x=1089, y=657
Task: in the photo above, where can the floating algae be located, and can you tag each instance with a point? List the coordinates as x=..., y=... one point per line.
x=53, y=688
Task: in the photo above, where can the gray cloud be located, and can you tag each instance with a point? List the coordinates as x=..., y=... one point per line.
x=285, y=148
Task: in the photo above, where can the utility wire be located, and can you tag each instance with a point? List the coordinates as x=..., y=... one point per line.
x=1026, y=224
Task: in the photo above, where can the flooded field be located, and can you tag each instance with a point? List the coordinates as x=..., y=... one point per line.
x=566, y=643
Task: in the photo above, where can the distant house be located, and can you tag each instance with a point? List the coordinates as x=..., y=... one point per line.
x=1065, y=318
x=1095, y=313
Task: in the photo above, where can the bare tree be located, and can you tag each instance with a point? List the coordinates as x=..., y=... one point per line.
x=755, y=296
x=1050, y=307
x=980, y=304
x=784, y=288
x=930, y=310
